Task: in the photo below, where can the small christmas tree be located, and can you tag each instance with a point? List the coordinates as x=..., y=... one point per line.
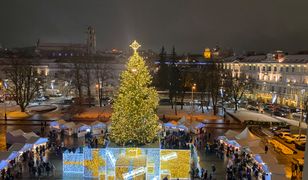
x=134, y=121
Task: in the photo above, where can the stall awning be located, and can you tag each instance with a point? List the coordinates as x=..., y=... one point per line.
x=37, y=140
x=3, y=164
x=8, y=155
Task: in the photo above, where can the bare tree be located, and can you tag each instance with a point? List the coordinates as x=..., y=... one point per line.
x=87, y=80
x=102, y=74
x=77, y=80
x=23, y=82
x=237, y=86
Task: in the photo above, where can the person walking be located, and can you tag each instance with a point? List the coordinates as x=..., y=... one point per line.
x=266, y=149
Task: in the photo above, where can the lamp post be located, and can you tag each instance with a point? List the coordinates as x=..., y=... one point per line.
x=192, y=97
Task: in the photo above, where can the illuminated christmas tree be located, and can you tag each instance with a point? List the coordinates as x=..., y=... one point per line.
x=134, y=121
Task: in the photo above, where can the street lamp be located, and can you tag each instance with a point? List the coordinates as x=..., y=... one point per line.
x=192, y=96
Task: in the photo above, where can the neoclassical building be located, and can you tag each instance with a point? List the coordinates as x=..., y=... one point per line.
x=280, y=78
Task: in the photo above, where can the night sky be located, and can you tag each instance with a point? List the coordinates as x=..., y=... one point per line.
x=190, y=25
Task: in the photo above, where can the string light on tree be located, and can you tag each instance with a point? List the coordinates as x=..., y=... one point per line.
x=134, y=120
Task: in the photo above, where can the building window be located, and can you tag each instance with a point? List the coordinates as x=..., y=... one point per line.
x=293, y=69
x=269, y=68
x=284, y=90
x=263, y=69
x=287, y=69
x=275, y=68
x=254, y=68
x=281, y=69
x=249, y=67
x=273, y=88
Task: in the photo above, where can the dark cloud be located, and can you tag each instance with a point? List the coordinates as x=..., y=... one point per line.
x=190, y=25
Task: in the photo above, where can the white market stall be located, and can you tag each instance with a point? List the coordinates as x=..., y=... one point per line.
x=68, y=128
x=18, y=136
x=196, y=127
x=81, y=129
x=247, y=139
x=169, y=126
x=98, y=127
x=56, y=125
x=182, y=127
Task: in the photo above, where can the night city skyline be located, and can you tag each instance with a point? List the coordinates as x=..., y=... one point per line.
x=190, y=26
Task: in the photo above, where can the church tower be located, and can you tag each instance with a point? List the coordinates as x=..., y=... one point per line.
x=91, y=40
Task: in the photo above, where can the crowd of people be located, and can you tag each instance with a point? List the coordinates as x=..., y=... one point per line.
x=176, y=140
x=34, y=161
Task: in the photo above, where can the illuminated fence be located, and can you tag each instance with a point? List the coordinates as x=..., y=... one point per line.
x=128, y=163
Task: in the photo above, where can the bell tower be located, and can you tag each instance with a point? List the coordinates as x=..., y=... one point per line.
x=91, y=40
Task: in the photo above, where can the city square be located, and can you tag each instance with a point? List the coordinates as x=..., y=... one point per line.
x=114, y=103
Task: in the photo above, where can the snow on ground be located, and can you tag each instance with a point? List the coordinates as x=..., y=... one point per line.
x=186, y=111
x=245, y=115
x=17, y=114
x=94, y=112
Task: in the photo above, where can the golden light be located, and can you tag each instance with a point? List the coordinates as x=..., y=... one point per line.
x=96, y=85
x=207, y=53
x=135, y=46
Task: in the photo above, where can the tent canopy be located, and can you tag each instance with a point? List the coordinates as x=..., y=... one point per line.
x=247, y=135
x=230, y=134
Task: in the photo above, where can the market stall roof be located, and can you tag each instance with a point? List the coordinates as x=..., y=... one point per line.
x=37, y=140
x=82, y=127
x=8, y=155
x=57, y=123
x=3, y=164
x=182, y=120
x=247, y=135
x=223, y=138
x=169, y=125
x=197, y=125
x=98, y=124
x=29, y=135
x=181, y=126
x=68, y=125
x=233, y=143
x=20, y=147
x=17, y=132
x=256, y=149
x=230, y=134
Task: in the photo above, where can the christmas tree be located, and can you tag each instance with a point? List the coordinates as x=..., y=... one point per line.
x=134, y=121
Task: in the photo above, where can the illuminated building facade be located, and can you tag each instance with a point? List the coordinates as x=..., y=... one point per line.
x=280, y=78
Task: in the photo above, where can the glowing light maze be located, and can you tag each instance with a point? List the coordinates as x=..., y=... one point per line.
x=128, y=163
